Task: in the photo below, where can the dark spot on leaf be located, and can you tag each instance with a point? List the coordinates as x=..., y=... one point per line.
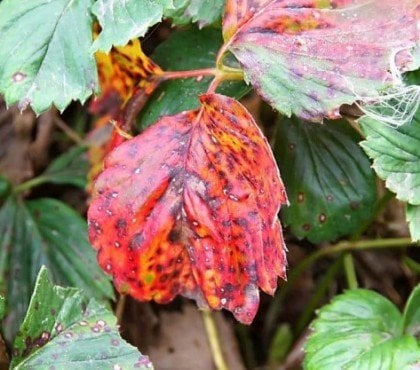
x=136, y=242
x=174, y=236
x=306, y=227
x=354, y=205
x=300, y=197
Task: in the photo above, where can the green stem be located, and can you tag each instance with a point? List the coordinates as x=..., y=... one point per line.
x=350, y=271
x=214, y=340
x=344, y=246
x=29, y=184
x=321, y=289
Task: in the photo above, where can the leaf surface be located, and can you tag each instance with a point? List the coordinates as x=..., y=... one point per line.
x=63, y=329
x=196, y=11
x=413, y=219
x=178, y=95
x=396, y=155
x=123, y=20
x=122, y=72
x=44, y=232
x=412, y=313
x=331, y=187
x=44, y=54
x=360, y=330
x=69, y=168
x=308, y=57
x=190, y=207
x=125, y=73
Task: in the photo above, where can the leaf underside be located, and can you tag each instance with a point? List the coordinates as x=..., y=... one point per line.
x=190, y=207
x=396, y=155
x=65, y=330
x=308, y=57
x=196, y=11
x=44, y=54
x=331, y=187
x=413, y=219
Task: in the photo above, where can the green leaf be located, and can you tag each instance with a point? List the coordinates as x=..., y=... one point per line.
x=412, y=313
x=64, y=329
x=123, y=20
x=5, y=187
x=44, y=54
x=360, y=330
x=413, y=219
x=44, y=232
x=202, y=12
x=396, y=155
x=280, y=345
x=175, y=96
x=330, y=185
x=69, y=168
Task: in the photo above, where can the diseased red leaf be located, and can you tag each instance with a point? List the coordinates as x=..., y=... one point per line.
x=122, y=72
x=126, y=75
x=190, y=207
x=308, y=57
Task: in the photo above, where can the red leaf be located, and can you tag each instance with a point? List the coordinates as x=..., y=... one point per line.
x=308, y=57
x=190, y=207
x=127, y=78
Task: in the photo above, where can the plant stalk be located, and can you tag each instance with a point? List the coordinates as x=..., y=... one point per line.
x=344, y=246
x=29, y=184
x=350, y=271
x=214, y=340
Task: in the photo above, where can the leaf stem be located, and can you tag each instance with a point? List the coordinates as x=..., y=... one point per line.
x=350, y=271
x=73, y=135
x=29, y=184
x=321, y=289
x=119, y=309
x=199, y=73
x=344, y=246
x=214, y=340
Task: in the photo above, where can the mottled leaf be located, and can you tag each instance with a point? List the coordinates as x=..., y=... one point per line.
x=178, y=95
x=412, y=313
x=330, y=184
x=63, y=329
x=125, y=73
x=413, y=219
x=190, y=207
x=44, y=232
x=44, y=54
x=360, y=330
x=122, y=72
x=396, y=155
x=308, y=57
x=202, y=12
x=123, y=20
x=69, y=168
